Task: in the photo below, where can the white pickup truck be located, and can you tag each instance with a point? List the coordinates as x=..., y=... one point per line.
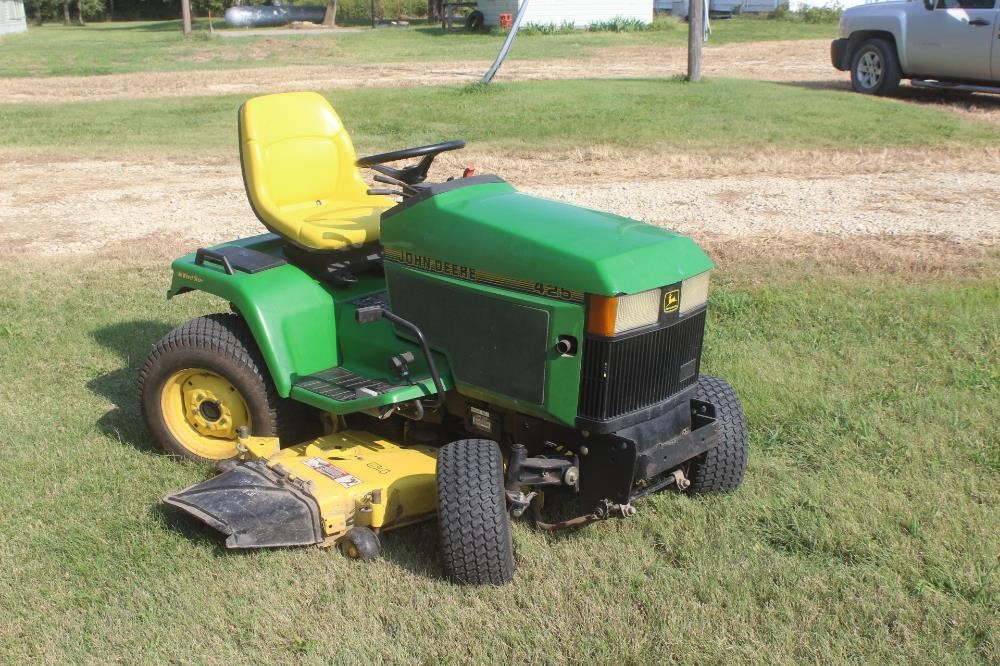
x=949, y=44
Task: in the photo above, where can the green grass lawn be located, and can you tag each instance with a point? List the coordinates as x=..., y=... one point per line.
x=108, y=48
x=646, y=115
x=866, y=530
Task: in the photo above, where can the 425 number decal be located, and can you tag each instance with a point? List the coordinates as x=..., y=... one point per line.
x=552, y=291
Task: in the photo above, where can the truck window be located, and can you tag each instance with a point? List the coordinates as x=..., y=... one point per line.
x=965, y=4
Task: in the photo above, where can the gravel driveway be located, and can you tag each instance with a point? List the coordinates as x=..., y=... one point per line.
x=181, y=205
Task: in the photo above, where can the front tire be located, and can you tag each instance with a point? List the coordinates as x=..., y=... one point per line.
x=875, y=68
x=203, y=381
x=476, y=543
x=721, y=469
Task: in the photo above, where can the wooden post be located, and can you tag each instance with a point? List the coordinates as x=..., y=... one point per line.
x=186, y=16
x=696, y=35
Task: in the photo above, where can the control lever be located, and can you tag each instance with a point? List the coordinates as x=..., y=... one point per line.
x=384, y=191
x=389, y=180
x=401, y=364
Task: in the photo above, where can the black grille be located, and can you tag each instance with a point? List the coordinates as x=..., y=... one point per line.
x=622, y=375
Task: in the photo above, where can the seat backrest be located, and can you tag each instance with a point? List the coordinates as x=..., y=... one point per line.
x=295, y=153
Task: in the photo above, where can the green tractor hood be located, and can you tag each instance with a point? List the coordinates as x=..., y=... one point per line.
x=483, y=224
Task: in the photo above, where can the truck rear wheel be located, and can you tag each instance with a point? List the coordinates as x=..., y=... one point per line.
x=875, y=68
x=476, y=543
x=203, y=381
x=721, y=469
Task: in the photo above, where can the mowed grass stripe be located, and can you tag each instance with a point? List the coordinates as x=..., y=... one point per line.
x=866, y=530
x=717, y=116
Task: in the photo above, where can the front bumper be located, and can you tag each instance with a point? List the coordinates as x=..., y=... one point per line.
x=839, y=54
x=630, y=460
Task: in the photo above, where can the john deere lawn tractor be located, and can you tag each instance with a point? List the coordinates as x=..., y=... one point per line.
x=411, y=350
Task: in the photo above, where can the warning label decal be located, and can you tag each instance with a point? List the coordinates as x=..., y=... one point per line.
x=332, y=471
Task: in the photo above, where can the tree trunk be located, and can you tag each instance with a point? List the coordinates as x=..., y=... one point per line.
x=433, y=10
x=111, y=10
x=65, y=12
x=79, y=12
x=186, y=16
x=39, y=19
x=330, y=17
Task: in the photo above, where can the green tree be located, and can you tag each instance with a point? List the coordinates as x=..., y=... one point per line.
x=90, y=8
x=40, y=10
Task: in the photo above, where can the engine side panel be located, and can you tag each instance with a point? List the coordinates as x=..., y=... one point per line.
x=500, y=344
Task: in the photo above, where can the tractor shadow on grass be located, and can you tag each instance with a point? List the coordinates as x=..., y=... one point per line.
x=131, y=341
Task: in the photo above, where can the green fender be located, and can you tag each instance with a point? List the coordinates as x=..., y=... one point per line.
x=291, y=314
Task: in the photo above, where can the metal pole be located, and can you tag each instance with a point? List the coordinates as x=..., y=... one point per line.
x=373, y=13
x=488, y=76
x=696, y=35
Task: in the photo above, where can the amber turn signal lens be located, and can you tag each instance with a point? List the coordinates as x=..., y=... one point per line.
x=601, y=314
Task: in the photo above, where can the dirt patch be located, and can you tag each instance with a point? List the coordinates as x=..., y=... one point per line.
x=56, y=206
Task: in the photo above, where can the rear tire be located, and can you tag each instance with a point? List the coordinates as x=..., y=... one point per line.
x=721, y=469
x=476, y=543
x=875, y=68
x=204, y=380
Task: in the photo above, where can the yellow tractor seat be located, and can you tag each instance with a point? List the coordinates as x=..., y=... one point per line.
x=299, y=173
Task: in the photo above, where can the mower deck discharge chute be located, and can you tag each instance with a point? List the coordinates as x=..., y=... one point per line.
x=318, y=492
x=457, y=348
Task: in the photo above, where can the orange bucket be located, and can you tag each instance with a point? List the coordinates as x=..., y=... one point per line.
x=506, y=21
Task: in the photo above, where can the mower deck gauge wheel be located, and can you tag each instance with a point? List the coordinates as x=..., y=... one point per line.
x=361, y=543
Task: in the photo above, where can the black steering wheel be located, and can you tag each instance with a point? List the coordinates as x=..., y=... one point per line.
x=416, y=173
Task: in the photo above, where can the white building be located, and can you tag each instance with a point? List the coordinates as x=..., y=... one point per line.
x=12, y=16
x=580, y=13
x=680, y=7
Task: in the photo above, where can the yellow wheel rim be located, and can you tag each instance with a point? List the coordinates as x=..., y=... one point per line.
x=204, y=412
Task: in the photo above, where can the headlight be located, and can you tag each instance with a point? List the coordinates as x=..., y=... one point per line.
x=694, y=293
x=611, y=315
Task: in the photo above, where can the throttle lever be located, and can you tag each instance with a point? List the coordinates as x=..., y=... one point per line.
x=385, y=191
x=389, y=180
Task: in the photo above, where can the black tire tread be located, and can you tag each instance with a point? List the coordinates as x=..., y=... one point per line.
x=476, y=543
x=721, y=469
x=892, y=75
x=227, y=337
x=365, y=541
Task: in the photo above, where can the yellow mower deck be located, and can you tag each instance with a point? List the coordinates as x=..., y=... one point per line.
x=315, y=492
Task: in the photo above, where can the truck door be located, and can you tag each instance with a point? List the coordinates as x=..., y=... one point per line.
x=952, y=39
x=996, y=46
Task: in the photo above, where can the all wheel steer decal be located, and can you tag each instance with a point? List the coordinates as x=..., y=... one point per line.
x=332, y=471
